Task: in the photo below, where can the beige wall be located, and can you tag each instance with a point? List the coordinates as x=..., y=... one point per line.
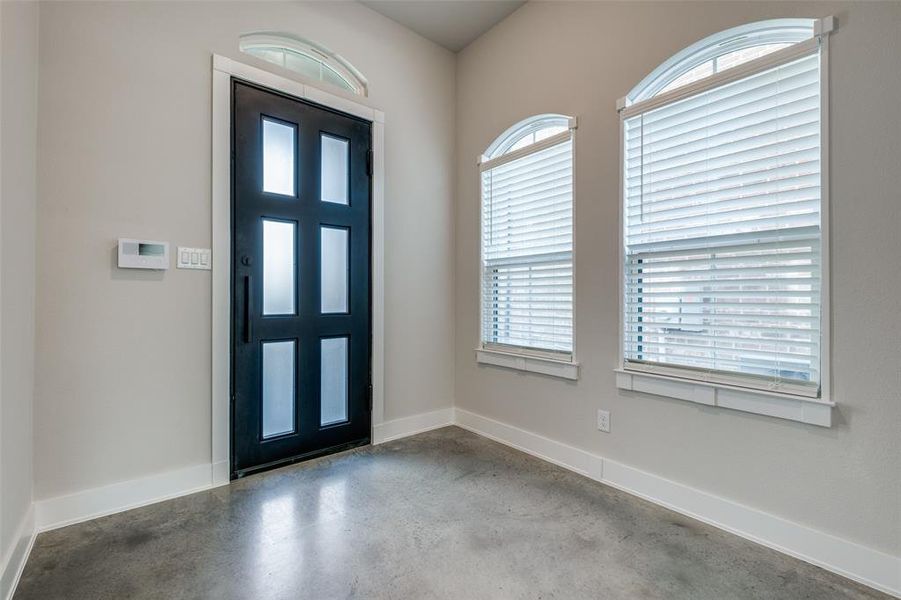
x=123, y=357
x=18, y=130
x=577, y=59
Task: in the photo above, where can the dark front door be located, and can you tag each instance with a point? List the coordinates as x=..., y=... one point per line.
x=300, y=279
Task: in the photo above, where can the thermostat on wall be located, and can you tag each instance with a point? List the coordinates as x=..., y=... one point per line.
x=143, y=254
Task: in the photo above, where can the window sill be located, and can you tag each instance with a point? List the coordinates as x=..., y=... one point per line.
x=528, y=362
x=773, y=404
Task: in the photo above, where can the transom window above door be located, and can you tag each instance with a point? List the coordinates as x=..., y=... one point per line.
x=527, y=244
x=306, y=58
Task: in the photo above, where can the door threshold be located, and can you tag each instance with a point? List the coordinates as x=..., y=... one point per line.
x=241, y=473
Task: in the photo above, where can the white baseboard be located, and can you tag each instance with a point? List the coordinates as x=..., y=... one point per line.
x=568, y=457
x=406, y=426
x=53, y=513
x=221, y=473
x=867, y=566
x=14, y=560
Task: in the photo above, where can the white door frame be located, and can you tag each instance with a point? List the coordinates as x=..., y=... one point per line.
x=223, y=70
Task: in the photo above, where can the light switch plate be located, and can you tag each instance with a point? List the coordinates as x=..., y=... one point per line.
x=194, y=258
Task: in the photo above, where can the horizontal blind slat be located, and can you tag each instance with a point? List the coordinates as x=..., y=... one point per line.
x=723, y=321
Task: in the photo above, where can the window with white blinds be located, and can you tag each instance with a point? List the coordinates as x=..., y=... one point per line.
x=722, y=227
x=527, y=240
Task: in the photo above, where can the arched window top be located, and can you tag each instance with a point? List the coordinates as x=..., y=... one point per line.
x=721, y=51
x=526, y=132
x=307, y=58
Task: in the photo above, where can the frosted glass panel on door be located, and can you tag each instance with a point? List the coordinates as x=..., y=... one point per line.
x=333, y=377
x=334, y=169
x=278, y=157
x=333, y=269
x=278, y=388
x=278, y=267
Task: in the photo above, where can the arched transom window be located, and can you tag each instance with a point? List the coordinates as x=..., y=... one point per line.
x=722, y=211
x=306, y=58
x=527, y=240
x=526, y=132
x=722, y=51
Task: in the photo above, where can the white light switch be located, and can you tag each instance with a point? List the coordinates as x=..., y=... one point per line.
x=194, y=258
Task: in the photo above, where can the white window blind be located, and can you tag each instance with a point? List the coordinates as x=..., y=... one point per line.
x=722, y=232
x=527, y=247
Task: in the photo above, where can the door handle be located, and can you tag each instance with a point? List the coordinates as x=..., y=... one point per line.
x=248, y=310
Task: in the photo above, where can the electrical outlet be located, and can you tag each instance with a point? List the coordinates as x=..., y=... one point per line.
x=604, y=421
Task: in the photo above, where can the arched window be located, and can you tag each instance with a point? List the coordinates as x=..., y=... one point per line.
x=527, y=132
x=527, y=243
x=722, y=51
x=723, y=211
x=306, y=58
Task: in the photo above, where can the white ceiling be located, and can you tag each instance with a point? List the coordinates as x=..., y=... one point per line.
x=450, y=23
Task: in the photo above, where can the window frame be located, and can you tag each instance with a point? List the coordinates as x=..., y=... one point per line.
x=811, y=410
x=535, y=360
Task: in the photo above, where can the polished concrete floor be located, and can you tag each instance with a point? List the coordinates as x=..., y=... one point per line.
x=444, y=514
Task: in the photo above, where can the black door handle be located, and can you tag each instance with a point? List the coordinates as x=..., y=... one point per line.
x=248, y=310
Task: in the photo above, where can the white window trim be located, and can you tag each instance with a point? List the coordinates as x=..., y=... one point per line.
x=512, y=357
x=814, y=411
x=521, y=360
x=223, y=69
x=773, y=404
